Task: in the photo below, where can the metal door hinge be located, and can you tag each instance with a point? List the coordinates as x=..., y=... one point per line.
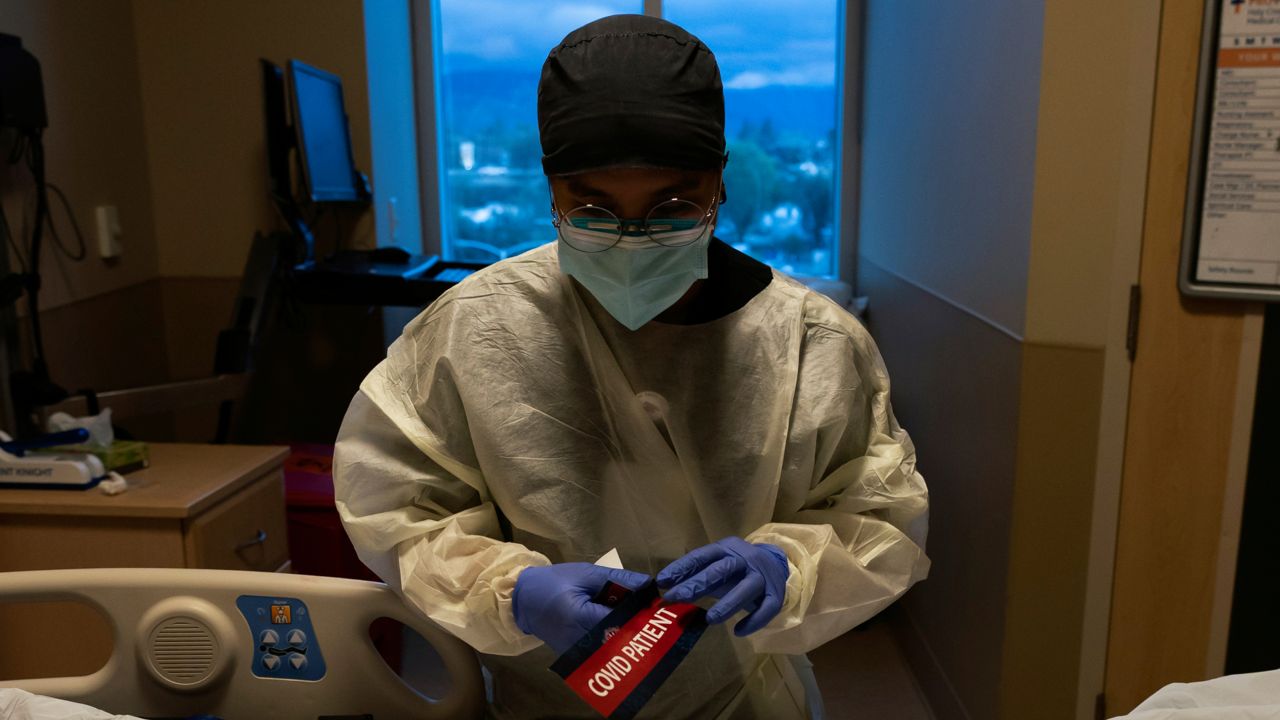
x=1131, y=334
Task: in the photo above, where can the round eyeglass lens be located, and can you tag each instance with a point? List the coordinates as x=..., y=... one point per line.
x=590, y=229
x=676, y=223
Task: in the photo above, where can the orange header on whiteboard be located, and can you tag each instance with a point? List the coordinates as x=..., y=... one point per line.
x=1249, y=57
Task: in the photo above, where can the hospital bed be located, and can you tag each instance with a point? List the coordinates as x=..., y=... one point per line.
x=244, y=645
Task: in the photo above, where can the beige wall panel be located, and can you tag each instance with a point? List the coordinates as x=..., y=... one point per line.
x=107, y=342
x=1053, y=502
x=1096, y=83
x=154, y=332
x=196, y=309
x=1061, y=312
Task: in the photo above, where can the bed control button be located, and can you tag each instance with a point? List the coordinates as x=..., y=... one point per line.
x=297, y=638
x=297, y=660
x=270, y=662
x=269, y=637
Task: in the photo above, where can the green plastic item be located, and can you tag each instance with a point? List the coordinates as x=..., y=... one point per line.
x=123, y=456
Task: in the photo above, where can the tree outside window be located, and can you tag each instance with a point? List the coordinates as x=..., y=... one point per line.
x=778, y=59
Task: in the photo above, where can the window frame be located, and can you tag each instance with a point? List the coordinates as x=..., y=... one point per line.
x=426, y=48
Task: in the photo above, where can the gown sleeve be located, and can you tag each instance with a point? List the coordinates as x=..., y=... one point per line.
x=414, y=503
x=856, y=542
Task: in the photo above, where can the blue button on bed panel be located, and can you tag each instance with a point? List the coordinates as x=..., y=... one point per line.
x=287, y=647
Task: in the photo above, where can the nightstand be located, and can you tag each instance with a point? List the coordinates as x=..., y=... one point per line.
x=196, y=506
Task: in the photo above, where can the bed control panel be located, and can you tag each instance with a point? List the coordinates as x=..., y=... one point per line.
x=285, y=646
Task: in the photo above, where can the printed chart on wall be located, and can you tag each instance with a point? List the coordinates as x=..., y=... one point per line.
x=1232, y=242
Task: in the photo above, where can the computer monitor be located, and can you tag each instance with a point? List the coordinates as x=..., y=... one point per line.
x=324, y=138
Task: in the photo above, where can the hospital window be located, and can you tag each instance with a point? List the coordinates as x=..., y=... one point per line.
x=781, y=63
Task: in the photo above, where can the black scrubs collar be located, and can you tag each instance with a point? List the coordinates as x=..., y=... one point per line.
x=733, y=279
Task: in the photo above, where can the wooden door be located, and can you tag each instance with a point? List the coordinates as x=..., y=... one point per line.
x=1190, y=409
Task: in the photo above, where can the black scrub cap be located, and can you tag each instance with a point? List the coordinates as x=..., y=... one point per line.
x=630, y=91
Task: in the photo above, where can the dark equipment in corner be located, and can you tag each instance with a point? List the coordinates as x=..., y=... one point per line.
x=23, y=120
x=21, y=88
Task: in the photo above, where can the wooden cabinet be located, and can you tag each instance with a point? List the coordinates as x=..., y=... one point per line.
x=197, y=506
x=244, y=532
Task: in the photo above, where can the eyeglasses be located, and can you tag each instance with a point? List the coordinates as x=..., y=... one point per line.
x=670, y=223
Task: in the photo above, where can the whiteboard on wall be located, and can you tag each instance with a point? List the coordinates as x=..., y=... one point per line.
x=1231, y=238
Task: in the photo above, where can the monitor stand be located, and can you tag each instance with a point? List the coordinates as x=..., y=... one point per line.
x=385, y=276
x=381, y=261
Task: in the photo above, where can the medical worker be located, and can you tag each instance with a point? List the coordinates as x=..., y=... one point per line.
x=636, y=384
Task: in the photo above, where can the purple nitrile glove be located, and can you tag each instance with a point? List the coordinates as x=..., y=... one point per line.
x=554, y=602
x=745, y=576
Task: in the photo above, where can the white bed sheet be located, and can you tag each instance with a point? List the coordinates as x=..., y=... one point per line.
x=18, y=704
x=1254, y=696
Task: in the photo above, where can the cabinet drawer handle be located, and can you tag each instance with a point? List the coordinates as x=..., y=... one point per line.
x=258, y=539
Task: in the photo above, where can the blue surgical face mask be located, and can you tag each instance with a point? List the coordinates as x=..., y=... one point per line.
x=637, y=279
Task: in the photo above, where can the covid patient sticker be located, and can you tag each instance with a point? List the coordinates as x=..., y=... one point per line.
x=623, y=661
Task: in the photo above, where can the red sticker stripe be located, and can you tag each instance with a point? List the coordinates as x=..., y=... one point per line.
x=612, y=672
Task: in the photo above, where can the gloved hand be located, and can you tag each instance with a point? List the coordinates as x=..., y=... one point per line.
x=745, y=576
x=554, y=602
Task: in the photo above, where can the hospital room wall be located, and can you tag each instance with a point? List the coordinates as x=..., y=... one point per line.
x=156, y=107
x=201, y=89
x=948, y=155
x=202, y=98
x=1097, y=91
x=1003, y=166
x=96, y=152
